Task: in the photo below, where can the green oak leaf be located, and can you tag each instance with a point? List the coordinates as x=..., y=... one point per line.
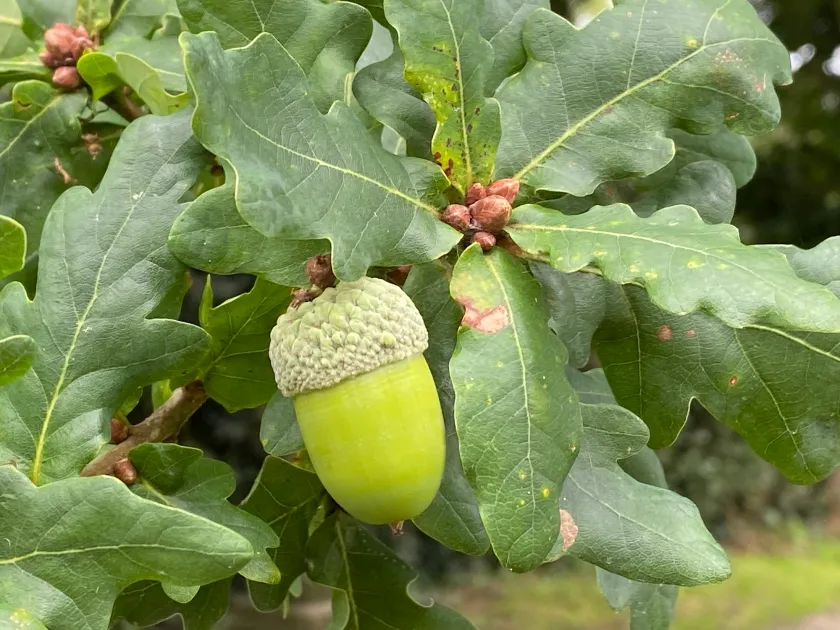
x=87, y=535
x=447, y=60
x=237, y=373
x=577, y=303
x=39, y=15
x=382, y=90
x=684, y=264
x=701, y=175
x=23, y=67
x=146, y=604
x=181, y=478
x=40, y=130
x=502, y=26
x=93, y=14
x=324, y=38
x=13, y=41
x=138, y=18
x=370, y=582
x=696, y=64
x=517, y=416
x=18, y=619
x=151, y=67
x=651, y=605
x=307, y=178
x=286, y=497
x=453, y=517
x=773, y=386
x=279, y=430
x=12, y=246
x=212, y=236
x=636, y=530
x=103, y=272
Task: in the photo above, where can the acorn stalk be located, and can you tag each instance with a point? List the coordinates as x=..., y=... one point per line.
x=352, y=361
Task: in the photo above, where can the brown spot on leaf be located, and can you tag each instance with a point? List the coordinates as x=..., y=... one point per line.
x=690, y=333
x=664, y=333
x=477, y=111
x=469, y=128
x=733, y=380
x=488, y=320
x=568, y=529
x=436, y=155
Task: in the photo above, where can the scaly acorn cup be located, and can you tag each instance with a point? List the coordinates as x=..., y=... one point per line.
x=352, y=361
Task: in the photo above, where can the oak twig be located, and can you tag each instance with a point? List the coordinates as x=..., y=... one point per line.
x=164, y=422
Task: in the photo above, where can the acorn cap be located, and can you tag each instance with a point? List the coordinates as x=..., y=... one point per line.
x=348, y=330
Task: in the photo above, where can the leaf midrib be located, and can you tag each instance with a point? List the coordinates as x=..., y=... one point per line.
x=42, y=436
x=526, y=401
x=574, y=129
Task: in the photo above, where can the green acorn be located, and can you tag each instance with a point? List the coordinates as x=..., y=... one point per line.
x=352, y=361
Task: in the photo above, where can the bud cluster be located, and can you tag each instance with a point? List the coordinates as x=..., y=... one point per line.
x=485, y=211
x=65, y=45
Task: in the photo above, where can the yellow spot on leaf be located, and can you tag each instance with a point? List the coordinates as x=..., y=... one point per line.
x=499, y=364
x=651, y=275
x=546, y=492
x=522, y=474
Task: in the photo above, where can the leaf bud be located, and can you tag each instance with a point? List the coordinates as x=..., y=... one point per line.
x=457, y=216
x=507, y=188
x=474, y=193
x=119, y=431
x=125, y=471
x=59, y=39
x=491, y=214
x=485, y=239
x=49, y=60
x=319, y=271
x=67, y=78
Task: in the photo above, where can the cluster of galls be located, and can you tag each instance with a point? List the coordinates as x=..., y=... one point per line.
x=485, y=211
x=65, y=45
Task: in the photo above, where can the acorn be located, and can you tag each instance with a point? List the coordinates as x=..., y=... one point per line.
x=367, y=406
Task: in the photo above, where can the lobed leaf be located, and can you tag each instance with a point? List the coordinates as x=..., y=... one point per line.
x=517, y=416
x=447, y=60
x=771, y=385
x=639, y=531
x=577, y=304
x=684, y=264
x=382, y=90
x=504, y=21
x=572, y=122
x=41, y=147
x=370, y=582
x=453, y=517
x=16, y=355
x=314, y=176
x=212, y=236
x=237, y=373
x=287, y=498
x=87, y=535
x=701, y=175
x=183, y=479
x=103, y=274
x=325, y=39
x=146, y=604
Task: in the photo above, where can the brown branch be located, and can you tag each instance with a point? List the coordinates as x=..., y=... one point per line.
x=165, y=422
